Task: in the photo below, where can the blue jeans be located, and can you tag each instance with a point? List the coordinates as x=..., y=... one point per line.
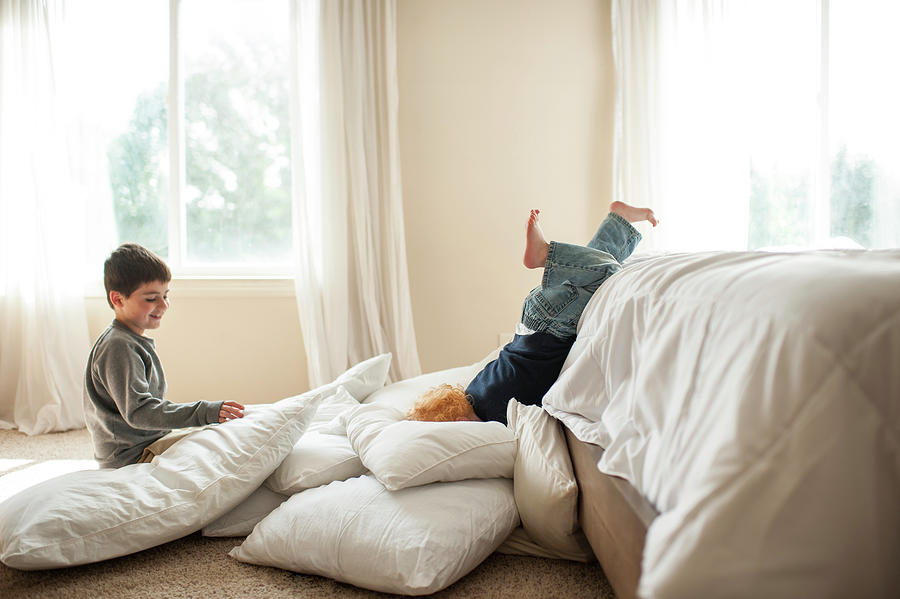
x=573, y=273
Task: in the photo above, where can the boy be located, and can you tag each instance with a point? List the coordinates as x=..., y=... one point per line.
x=124, y=382
x=530, y=363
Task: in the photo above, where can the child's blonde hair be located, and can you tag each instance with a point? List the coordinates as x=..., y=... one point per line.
x=444, y=403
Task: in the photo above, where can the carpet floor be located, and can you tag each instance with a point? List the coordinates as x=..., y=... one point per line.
x=197, y=566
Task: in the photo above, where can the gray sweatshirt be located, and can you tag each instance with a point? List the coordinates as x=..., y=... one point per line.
x=124, y=385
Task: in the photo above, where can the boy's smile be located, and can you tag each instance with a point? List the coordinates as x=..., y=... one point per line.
x=144, y=308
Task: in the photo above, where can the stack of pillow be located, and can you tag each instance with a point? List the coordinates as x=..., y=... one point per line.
x=333, y=482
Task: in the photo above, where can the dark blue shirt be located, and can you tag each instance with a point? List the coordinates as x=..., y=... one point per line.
x=525, y=369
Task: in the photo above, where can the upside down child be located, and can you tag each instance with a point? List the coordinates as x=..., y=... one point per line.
x=528, y=365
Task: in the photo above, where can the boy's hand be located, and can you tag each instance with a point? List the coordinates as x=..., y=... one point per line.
x=230, y=410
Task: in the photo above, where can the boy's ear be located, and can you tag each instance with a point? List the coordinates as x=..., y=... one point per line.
x=116, y=298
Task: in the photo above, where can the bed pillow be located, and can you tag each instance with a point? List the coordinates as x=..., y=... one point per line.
x=315, y=460
x=89, y=516
x=240, y=521
x=332, y=407
x=403, y=394
x=415, y=541
x=519, y=543
x=544, y=483
x=365, y=377
x=333, y=459
x=403, y=453
x=319, y=458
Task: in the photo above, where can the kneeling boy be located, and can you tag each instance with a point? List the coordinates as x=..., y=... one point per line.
x=124, y=383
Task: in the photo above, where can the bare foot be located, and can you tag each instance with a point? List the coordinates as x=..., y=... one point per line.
x=536, y=247
x=632, y=214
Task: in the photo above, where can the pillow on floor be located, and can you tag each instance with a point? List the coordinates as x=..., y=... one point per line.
x=319, y=458
x=519, y=543
x=414, y=541
x=86, y=517
x=403, y=453
x=332, y=407
x=403, y=394
x=362, y=379
x=240, y=521
x=544, y=484
x=331, y=463
x=315, y=460
x=325, y=454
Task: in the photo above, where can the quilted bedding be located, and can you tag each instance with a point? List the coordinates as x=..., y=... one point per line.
x=754, y=399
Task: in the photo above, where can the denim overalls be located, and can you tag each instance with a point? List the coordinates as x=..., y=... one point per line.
x=573, y=273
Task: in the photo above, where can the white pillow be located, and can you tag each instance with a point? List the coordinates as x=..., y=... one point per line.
x=357, y=383
x=331, y=407
x=403, y=394
x=544, y=483
x=362, y=379
x=403, y=453
x=315, y=460
x=415, y=541
x=519, y=543
x=319, y=457
x=89, y=516
x=241, y=520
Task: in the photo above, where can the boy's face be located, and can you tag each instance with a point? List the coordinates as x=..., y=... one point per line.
x=144, y=308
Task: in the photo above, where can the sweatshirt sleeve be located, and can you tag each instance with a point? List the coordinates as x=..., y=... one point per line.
x=125, y=378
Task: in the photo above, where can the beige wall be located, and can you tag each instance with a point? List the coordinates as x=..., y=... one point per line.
x=505, y=105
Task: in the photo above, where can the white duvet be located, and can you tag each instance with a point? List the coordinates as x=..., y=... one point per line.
x=754, y=399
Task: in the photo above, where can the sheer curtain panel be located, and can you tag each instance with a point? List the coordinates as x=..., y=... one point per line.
x=352, y=283
x=43, y=327
x=680, y=141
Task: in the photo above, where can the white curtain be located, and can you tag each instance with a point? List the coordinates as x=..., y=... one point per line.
x=680, y=142
x=352, y=283
x=43, y=327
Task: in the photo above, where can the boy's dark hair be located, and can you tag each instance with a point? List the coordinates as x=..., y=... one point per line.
x=130, y=266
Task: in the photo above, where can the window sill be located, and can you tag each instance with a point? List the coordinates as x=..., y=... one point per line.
x=217, y=286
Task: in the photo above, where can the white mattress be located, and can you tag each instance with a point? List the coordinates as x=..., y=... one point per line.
x=754, y=399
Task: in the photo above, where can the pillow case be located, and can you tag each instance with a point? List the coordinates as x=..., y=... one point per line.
x=90, y=516
x=240, y=521
x=403, y=453
x=415, y=541
x=519, y=543
x=331, y=407
x=403, y=394
x=544, y=484
x=319, y=458
x=315, y=460
x=361, y=379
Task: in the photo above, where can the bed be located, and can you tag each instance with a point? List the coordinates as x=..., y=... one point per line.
x=734, y=424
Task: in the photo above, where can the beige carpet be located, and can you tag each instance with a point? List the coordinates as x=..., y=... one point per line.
x=197, y=566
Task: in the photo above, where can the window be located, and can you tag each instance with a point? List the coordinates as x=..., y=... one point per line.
x=195, y=128
x=825, y=91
